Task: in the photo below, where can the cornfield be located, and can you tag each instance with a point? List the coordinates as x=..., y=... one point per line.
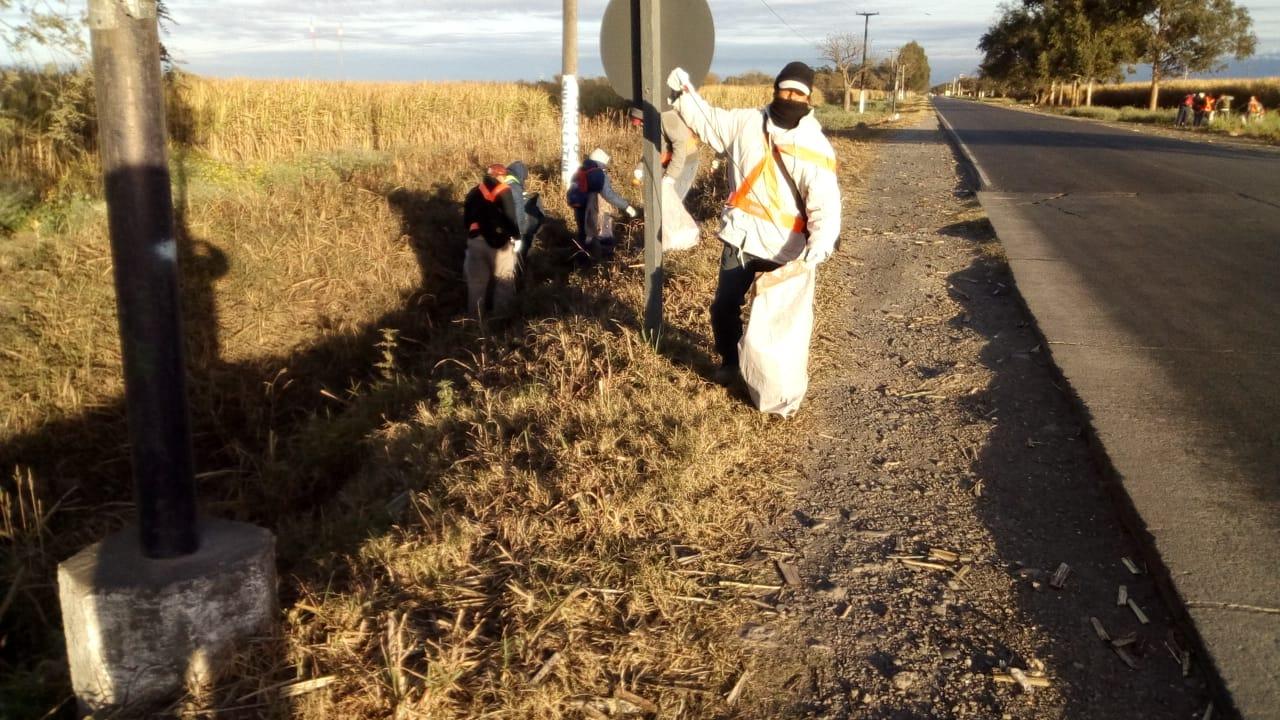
x=1138, y=94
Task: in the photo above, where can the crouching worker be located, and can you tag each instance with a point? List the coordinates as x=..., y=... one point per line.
x=489, y=213
x=590, y=185
x=785, y=201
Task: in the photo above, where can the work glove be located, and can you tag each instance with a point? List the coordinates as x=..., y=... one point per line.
x=816, y=256
x=631, y=211
x=679, y=81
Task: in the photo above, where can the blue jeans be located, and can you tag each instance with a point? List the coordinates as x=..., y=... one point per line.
x=738, y=271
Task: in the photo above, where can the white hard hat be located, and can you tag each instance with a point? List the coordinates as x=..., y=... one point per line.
x=600, y=156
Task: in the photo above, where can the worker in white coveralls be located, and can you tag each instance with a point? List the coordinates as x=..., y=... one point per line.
x=785, y=202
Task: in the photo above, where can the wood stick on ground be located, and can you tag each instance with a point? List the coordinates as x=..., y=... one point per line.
x=790, y=574
x=546, y=668
x=1022, y=679
x=1122, y=596
x=1126, y=657
x=736, y=692
x=306, y=686
x=644, y=704
x=1142, y=617
x=1097, y=628
x=924, y=565
x=1133, y=568
x=1060, y=576
x=1009, y=679
x=943, y=555
x=1129, y=639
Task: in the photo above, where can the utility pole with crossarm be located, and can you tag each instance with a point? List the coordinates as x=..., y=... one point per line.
x=862, y=82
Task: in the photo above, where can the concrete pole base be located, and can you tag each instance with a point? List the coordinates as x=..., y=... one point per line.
x=139, y=630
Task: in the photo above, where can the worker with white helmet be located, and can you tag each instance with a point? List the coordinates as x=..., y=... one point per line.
x=785, y=202
x=589, y=185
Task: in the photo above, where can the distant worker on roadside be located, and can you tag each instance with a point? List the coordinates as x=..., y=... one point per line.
x=489, y=214
x=529, y=213
x=1254, y=111
x=785, y=202
x=1184, y=111
x=590, y=184
x=1198, y=106
x=679, y=169
x=1210, y=108
x=679, y=152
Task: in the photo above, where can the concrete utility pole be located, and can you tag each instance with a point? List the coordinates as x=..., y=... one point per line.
x=893, y=68
x=652, y=86
x=862, y=82
x=151, y=607
x=569, y=93
x=135, y=164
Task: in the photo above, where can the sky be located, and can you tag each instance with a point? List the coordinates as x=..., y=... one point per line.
x=520, y=40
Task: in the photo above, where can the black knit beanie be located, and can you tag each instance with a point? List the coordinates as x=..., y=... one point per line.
x=795, y=73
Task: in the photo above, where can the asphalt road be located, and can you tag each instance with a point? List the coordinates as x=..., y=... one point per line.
x=1152, y=266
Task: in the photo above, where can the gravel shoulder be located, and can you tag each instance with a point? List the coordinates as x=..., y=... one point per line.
x=948, y=477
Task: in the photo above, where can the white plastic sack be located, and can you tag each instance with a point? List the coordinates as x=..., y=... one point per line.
x=679, y=231
x=774, y=351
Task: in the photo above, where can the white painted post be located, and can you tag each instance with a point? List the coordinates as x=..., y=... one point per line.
x=569, y=146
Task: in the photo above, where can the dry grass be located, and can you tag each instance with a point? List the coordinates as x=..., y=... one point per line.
x=514, y=522
x=1137, y=94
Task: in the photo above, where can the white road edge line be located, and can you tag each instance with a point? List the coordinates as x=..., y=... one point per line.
x=983, y=180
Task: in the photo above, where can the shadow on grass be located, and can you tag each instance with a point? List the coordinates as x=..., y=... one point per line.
x=277, y=439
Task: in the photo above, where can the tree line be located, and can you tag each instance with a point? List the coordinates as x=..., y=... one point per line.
x=1040, y=47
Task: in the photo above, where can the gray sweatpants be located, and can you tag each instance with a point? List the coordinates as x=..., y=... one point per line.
x=489, y=270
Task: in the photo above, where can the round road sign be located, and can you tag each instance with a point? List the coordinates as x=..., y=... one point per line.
x=688, y=41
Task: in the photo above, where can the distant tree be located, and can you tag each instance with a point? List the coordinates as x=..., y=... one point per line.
x=1088, y=40
x=915, y=65
x=1184, y=36
x=1013, y=48
x=711, y=79
x=844, y=52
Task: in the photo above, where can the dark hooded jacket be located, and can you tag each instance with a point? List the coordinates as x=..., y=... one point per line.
x=517, y=174
x=591, y=178
x=495, y=220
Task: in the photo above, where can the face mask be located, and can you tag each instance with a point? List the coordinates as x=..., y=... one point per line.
x=786, y=114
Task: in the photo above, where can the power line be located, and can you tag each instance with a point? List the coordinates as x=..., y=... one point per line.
x=784, y=22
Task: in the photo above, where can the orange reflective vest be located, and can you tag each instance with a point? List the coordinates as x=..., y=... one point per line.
x=748, y=200
x=492, y=195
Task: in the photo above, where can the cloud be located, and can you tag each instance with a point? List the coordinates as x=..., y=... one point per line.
x=520, y=39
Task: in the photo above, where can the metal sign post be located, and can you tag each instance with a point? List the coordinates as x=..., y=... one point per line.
x=144, y=251
x=641, y=42
x=648, y=95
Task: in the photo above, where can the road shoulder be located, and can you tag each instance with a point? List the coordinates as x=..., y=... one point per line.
x=947, y=481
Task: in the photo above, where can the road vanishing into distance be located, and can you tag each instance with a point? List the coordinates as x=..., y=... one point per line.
x=1152, y=266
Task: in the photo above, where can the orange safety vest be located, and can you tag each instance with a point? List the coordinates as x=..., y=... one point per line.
x=492, y=195
x=745, y=200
